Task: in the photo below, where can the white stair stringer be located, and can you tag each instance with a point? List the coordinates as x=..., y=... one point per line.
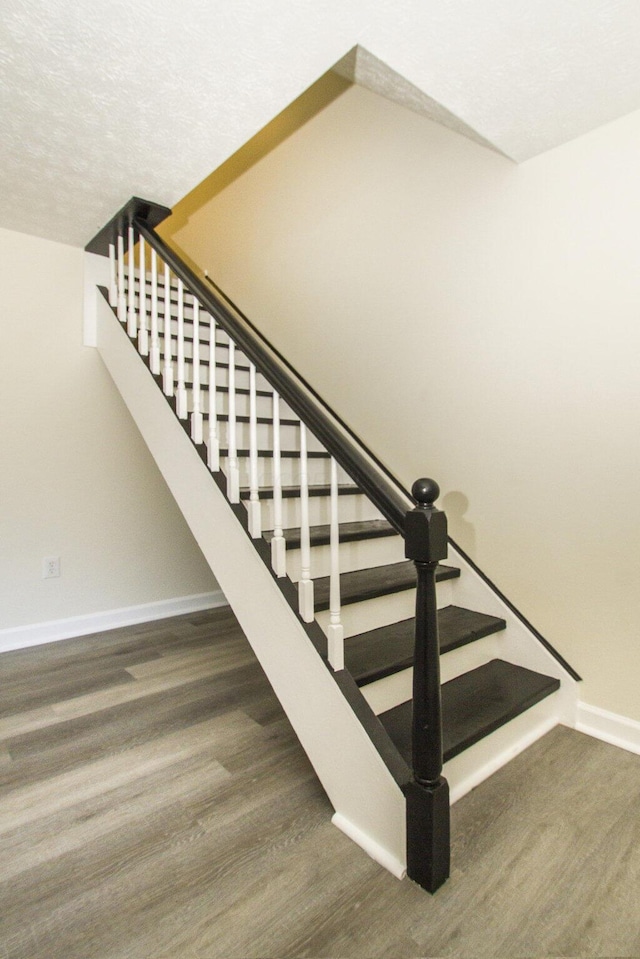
x=369, y=804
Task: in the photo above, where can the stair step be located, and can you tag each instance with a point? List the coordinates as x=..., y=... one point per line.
x=267, y=420
x=225, y=366
x=349, y=532
x=389, y=649
x=188, y=382
x=323, y=489
x=225, y=389
x=474, y=705
x=243, y=391
x=285, y=454
x=362, y=584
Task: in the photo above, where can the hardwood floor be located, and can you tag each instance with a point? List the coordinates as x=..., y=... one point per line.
x=155, y=804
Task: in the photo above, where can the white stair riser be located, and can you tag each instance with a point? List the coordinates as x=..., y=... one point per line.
x=381, y=611
x=264, y=406
x=264, y=403
x=204, y=329
x=351, y=509
x=222, y=353
x=289, y=436
x=242, y=379
x=318, y=471
x=474, y=765
x=222, y=372
x=204, y=318
x=360, y=554
x=173, y=304
x=396, y=689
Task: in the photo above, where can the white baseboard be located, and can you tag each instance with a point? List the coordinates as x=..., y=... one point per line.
x=610, y=727
x=20, y=637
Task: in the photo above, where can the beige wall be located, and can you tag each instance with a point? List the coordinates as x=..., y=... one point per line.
x=474, y=320
x=76, y=479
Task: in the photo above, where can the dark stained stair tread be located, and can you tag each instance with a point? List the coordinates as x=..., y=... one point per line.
x=225, y=389
x=377, y=581
x=320, y=535
x=224, y=418
x=223, y=366
x=285, y=454
x=293, y=492
x=388, y=649
x=243, y=390
x=474, y=705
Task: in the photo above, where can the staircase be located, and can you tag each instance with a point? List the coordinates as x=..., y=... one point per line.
x=305, y=532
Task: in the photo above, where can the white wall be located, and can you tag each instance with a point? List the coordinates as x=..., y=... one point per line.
x=477, y=321
x=76, y=479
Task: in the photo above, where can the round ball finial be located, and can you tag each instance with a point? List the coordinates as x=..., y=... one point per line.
x=425, y=491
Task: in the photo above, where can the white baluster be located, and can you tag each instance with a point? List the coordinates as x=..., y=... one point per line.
x=335, y=631
x=113, y=286
x=131, y=312
x=181, y=392
x=167, y=373
x=233, y=478
x=305, y=585
x=154, y=352
x=213, y=446
x=143, y=333
x=196, y=415
x=255, y=519
x=122, y=302
x=278, y=542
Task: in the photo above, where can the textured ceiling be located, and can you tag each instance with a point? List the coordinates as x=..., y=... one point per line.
x=101, y=101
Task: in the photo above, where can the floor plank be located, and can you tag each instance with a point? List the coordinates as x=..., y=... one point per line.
x=175, y=816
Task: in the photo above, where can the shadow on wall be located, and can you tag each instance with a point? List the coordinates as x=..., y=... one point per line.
x=318, y=96
x=456, y=506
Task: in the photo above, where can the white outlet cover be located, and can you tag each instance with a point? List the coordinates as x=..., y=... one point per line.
x=50, y=567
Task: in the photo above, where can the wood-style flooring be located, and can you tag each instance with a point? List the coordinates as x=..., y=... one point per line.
x=155, y=804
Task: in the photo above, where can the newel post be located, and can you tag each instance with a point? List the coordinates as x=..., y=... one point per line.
x=428, y=833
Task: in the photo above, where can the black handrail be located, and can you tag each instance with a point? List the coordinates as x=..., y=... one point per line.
x=365, y=472
x=332, y=413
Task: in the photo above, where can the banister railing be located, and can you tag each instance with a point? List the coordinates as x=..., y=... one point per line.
x=361, y=467
x=428, y=843
x=422, y=526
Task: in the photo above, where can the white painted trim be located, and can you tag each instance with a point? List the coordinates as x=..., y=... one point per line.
x=377, y=852
x=96, y=273
x=20, y=637
x=609, y=727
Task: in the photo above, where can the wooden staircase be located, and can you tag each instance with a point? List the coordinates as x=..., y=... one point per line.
x=502, y=687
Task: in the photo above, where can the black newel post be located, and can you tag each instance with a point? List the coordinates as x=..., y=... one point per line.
x=428, y=833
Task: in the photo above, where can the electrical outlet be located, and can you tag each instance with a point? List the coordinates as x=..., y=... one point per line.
x=50, y=567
